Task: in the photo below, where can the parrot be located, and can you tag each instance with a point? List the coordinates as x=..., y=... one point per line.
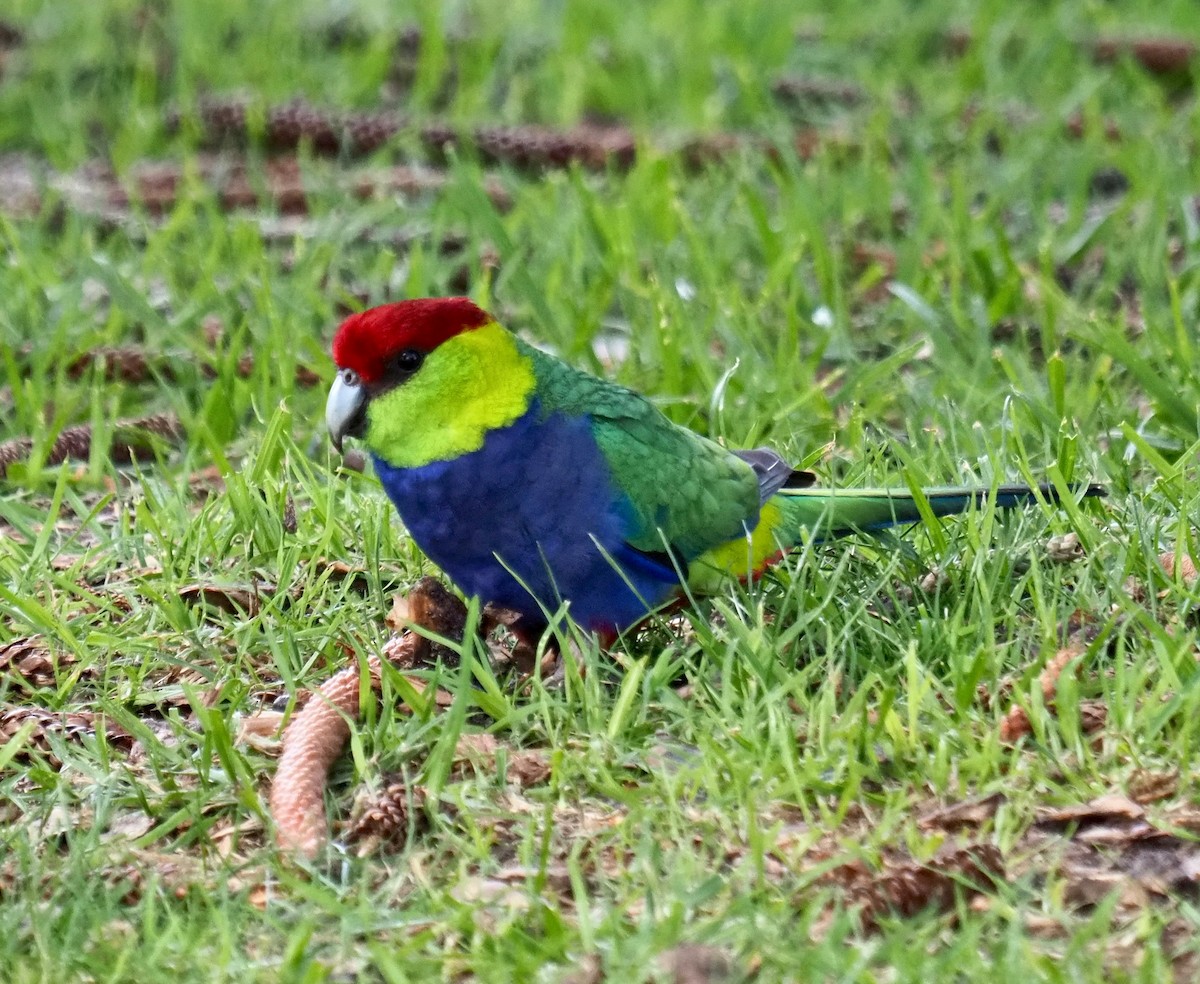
x=532, y=484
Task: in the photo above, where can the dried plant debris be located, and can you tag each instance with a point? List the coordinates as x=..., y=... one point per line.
x=278, y=188
x=282, y=184
x=387, y=819
x=906, y=888
x=319, y=732
x=284, y=128
x=135, y=366
x=148, y=871
x=969, y=814
x=311, y=744
x=121, y=365
x=238, y=600
x=288, y=126
x=540, y=148
x=1157, y=55
x=235, y=122
x=814, y=90
x=37, y=731
x=484, y=754
x=30, y=661
x=1110, y=847
x=1180, y=565
x=11, y=36
x=1161, y=55
x=1077, y=126
x=1146, y=786
x=697, y=963
x=528, y=147
x=588, y=970
x=1065, y=549
x=356, y=578
x=430, y=606
x=1081, y=632
x=141, y=439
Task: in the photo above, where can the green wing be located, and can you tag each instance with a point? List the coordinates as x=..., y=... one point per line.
x=693, y=490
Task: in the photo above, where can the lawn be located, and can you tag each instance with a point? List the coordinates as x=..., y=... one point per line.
x=905, y=244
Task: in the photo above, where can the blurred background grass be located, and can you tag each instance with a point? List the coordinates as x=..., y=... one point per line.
x=969, y=253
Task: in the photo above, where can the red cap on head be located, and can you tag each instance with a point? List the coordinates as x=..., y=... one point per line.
x=366, y=341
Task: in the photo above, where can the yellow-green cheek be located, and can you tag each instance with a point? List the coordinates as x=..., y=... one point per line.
x=472, y=384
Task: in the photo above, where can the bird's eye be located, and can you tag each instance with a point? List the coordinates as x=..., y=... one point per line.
x=408, y=361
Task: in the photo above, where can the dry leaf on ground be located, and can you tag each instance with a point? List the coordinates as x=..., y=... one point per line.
x=242, y=600
x=970, y=813
x=483, y=752
x=906, y=888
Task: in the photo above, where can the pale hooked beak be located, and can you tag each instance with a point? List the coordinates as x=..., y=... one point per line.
x=346, y=408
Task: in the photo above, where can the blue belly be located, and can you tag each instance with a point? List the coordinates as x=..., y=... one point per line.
x=536, y=501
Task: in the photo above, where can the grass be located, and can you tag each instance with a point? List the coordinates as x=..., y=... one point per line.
x=1008, y=322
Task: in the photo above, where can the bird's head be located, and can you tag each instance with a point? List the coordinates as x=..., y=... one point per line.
x=424, y=380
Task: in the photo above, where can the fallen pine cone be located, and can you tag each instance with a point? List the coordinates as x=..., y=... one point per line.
x=132, y=440
x=386, y=818
x=906, y=889
x=318, y=733
x=311, y=744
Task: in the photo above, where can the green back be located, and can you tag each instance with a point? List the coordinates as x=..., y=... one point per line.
x=674, y=480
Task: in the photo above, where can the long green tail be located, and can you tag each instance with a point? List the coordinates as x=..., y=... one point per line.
x=830, y=513
x=837, y=512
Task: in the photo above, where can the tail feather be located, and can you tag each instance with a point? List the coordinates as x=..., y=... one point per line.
x=836, y=512
x=830, y=513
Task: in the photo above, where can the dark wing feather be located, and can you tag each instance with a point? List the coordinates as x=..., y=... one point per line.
x=774, y=473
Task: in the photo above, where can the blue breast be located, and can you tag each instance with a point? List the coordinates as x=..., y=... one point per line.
x=527, y=521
